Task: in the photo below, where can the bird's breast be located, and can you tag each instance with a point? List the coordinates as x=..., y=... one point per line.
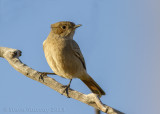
x=60, y=58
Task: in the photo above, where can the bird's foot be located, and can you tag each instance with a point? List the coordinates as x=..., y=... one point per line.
x=41, y=77
x=66, y=90
x=43, y=74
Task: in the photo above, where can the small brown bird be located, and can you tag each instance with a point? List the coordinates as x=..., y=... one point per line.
x=64, y=55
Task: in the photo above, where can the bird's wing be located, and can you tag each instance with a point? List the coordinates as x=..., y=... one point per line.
x=78, y=53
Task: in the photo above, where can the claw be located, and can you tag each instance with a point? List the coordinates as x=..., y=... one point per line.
x=43, y=74
x=66, y=88
x=41, y=77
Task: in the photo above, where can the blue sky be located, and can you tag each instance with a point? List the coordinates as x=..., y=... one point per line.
x=119, y=41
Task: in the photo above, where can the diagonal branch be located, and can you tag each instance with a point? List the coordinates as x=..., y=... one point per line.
x=12, y=56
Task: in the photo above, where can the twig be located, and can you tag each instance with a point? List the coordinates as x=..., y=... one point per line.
x=12, y=56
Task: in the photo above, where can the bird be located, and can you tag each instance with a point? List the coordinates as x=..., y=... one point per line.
x=64, y=56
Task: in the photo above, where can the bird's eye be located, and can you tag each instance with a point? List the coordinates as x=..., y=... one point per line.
x=64, y=27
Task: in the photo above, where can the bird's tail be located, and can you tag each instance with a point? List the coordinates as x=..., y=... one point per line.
x=93, y=86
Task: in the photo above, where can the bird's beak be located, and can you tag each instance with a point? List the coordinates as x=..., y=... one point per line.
x=76, y=26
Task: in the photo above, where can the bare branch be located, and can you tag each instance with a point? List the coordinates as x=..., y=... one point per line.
x=12, y=56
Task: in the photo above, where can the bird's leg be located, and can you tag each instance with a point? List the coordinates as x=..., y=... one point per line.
x=66, y=88
x=45, y=73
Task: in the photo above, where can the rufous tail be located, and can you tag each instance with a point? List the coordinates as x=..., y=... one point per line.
x=93, y=86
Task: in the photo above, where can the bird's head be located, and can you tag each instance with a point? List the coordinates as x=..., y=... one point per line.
x=64, y=29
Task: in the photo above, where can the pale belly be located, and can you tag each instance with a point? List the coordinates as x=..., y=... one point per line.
x=62, y=60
